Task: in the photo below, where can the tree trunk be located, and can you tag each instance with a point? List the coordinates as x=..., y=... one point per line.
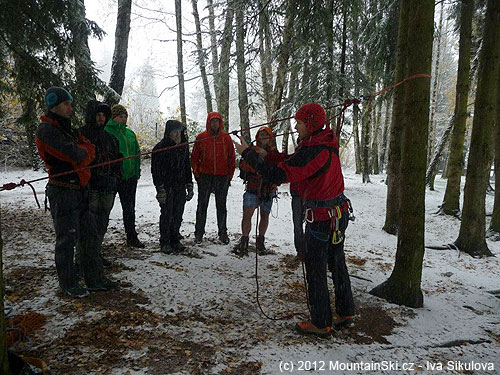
x=292, y=89
x=356, y=61
x=225, y=54
x=241, y=66
x=494, y=229
x=283, y=57
x=213, y=48
x=201, y=57
x=265, y=60
x=375, y=140
x=4, y=361
x=471, y=238
x=455, y=165
x=385, y=132
x=365, y=141
x=403, y=286
x=180, y=64
x=430, y=175
x=397, y=126
x=435, y=85
x=119, y=62
x=83, y=62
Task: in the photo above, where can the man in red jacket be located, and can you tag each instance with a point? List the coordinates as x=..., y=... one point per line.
x=213, y=161
x=315, y=166
x=64, y=149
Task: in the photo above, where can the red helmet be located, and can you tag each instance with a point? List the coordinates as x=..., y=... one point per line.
x=313, y=115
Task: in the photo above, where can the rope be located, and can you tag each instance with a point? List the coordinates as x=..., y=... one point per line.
x=274, y=318
x=340, y=119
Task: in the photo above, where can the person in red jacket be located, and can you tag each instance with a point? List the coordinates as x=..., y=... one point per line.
x=64, y=149
x=315, y=166
x=213, y=161
x=258, y=194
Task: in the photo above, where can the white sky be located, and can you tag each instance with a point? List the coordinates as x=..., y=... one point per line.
x=144, y=45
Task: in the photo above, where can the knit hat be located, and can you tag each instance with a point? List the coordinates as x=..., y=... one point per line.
x=56, y=95
x=313, y=115
x=118, y=110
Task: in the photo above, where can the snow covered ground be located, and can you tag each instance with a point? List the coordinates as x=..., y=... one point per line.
x=197, y=313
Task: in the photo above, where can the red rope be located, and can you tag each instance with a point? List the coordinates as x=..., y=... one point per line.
x=340, y=119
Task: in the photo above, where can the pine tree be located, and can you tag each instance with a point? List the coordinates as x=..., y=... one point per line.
x=471, y=238
x=403, y=286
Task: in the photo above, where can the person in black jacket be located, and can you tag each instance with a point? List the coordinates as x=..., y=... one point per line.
x=102, y=187
x=172, y=178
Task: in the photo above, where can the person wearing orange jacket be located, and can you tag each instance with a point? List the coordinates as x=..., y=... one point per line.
x=259, y=193
x=213, y=161
x=64, y=149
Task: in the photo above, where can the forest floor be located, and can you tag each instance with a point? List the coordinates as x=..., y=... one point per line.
x=196, y=313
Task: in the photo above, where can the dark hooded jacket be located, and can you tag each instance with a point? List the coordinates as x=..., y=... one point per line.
x=171, y=167
x=213, y=154
x=107, y=177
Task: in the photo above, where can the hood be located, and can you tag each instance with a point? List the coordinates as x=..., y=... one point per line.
x=271, y=134
x=212, y=115
x=173, y=125
x=325, y=137
x=93, y=108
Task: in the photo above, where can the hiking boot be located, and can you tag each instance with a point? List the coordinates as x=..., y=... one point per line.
x=178, y=248
x=166, y=248
x=77, y=291
x=261, y=248
x=308, y=328
x=241, y=248
x=106, y=263
x=343, y=321
x=104, y=285
x=224, y=238
x=198, y=238
x=134, y=242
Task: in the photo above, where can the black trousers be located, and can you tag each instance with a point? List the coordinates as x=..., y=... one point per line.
x=320, y=252
x=126, y=192
x=73, y=224
x=298, y=223
x=171, y=214
x=206, y=185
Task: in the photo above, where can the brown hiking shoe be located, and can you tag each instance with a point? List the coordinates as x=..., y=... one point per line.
x=261, y=247
x=308, y=328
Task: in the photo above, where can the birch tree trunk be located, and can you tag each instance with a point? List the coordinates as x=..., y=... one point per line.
x=356, y=60
x=241, y=67
x=435, y=75
x=471, y=238
x=365, y=142
x=385, y=132
x=430, y=175
x=397, y=125
x=403, y=286
x=376, y=139
x=225, y=55
x=201, y=57
x=119, y=62
x=213, y=49
x=455, y=165
x=180, y=64
x=265, y=60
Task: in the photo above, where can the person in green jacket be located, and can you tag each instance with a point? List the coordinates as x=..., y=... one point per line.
x=131, y=170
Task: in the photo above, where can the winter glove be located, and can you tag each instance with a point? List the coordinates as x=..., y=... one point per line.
x=189, y=190
x=161, y=195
